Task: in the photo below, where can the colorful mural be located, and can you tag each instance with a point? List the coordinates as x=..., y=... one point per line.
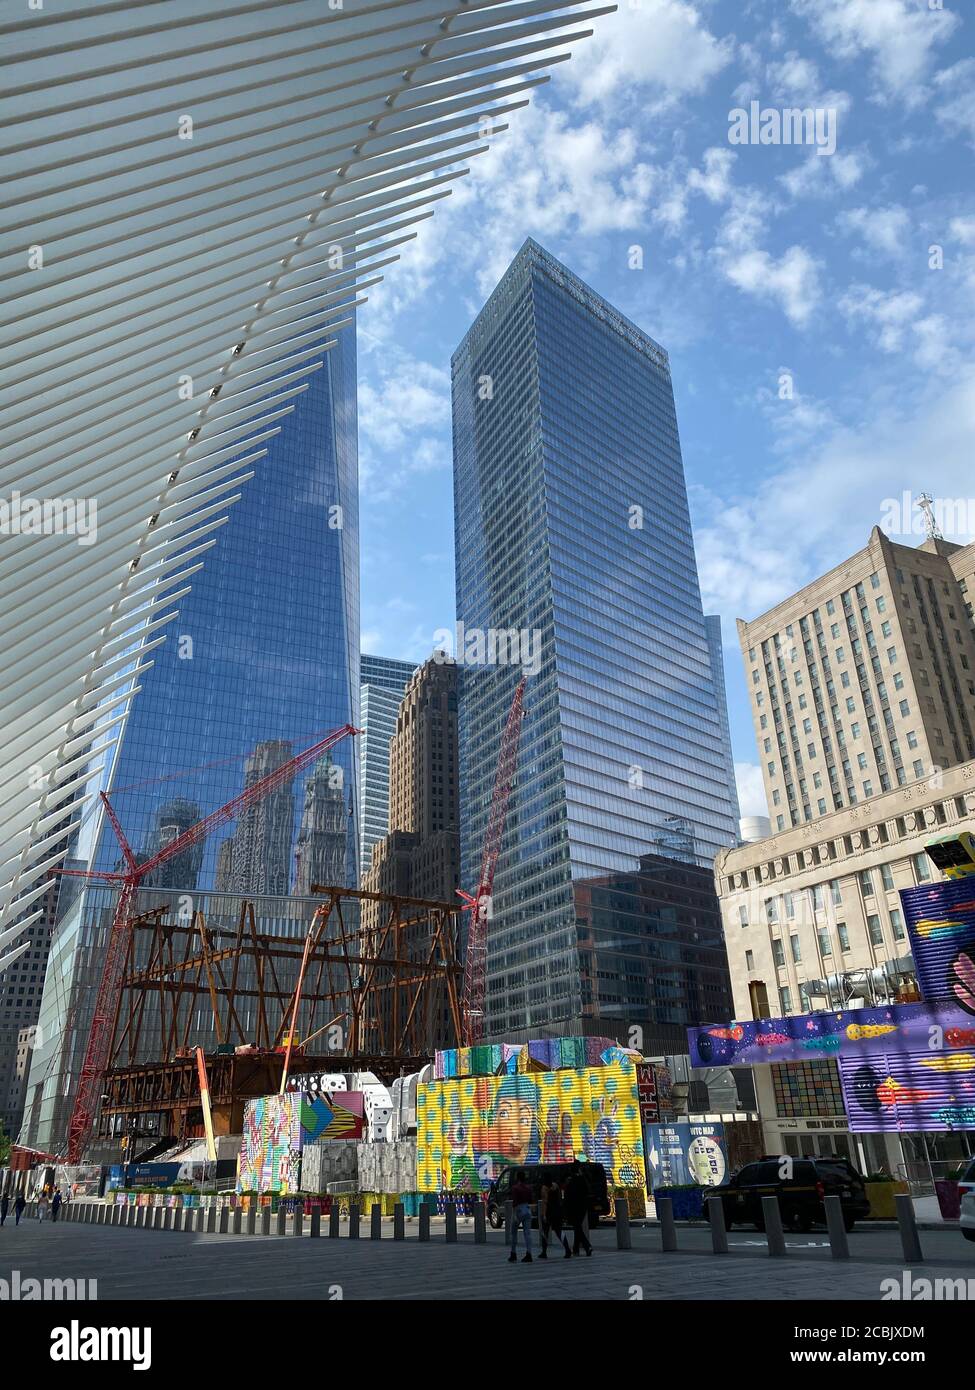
x=469, y=1129
x=337, y=1115
x=922, y=1090
x=270, y=1149
x=854, y=1033
x=941, y=924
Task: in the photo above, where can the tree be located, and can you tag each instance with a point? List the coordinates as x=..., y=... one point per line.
x=4, y=1148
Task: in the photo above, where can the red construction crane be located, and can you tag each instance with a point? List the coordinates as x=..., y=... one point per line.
x=129, y=880
x=475, y=959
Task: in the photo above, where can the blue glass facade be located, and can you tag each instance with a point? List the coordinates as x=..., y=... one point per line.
x=262, y=661
x=571, y=522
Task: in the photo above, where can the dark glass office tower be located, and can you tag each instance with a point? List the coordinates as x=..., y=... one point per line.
x=262, y=661
x=572, y=528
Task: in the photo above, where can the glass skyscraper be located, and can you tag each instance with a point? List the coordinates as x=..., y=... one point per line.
x=383, y=682
x=262, y=662
x=572, y=530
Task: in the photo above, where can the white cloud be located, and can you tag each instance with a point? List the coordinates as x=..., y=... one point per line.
x=756, y=549
x=898, y=36
x=889, y=313
x=817, y=176
x=883, y=229
x=658, y=52
x=404, y=395
x=714, y=179
x=955, y=98
x=751, y=789
x=792, y=281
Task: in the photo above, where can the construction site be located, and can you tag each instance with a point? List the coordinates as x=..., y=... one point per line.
x=202, y=1010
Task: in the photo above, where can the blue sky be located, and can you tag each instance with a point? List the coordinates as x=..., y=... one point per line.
x=822, y=359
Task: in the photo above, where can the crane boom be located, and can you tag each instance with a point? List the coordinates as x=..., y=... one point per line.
x=109, y=989
x=475, y=959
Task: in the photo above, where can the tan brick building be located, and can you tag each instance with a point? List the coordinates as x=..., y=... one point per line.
x=864, y=680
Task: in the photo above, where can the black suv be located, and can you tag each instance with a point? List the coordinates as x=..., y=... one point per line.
x=800, y=1184
x=500, y=1190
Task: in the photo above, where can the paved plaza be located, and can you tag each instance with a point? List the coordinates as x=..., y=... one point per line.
x=145, y=1264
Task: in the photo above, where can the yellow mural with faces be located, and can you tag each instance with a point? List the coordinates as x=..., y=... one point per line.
x=471, y=1128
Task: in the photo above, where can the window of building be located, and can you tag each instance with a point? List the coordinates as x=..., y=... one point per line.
x=844, y=936
x=922, y=867
x=866, y=883
x=778, y=952
x=785, y=994
x=876, y=930
x=888, y=877
x=897, y=922
x=749, y=960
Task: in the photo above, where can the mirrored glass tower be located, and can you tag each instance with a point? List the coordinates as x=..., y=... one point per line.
x=262, y=662
x=572, y=535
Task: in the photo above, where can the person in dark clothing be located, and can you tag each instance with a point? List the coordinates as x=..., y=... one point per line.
x=56, y=1201
x=521, y=1201
x=550, y=1215
x=577, y=1208
x=19, y=1205
x=4, y=1208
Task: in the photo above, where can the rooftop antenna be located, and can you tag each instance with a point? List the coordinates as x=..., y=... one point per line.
x=932, y=530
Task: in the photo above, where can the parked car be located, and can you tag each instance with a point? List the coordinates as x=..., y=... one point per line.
x=966, y=1191
x=500, y=1189
x=800, y=1184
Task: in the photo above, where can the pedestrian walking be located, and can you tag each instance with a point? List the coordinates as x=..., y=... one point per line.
x=521, y=1201
x=577, y=1208
x=19, y=1205
x=550, y=1215
x=43, y=1206
x=4, y=1208
x=56, y=1201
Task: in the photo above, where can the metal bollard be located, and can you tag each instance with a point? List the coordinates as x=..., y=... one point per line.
x=773, y=1225
x=353, y=1221
x=211, y=1225
x=199, y=1220
x=450, y=1223
x=236, y=1221
x=265, y=1221
x=223, y=1220
x=480, y=1225
x=839, y=1245
x=334, y=1217
x=399, y=1221
x=154, y=1215
x=668, y=1231
x=376, y=1222
x=116, y=1214
x=719, y=1233
x=316, y=1222
x=624, y=1236
x=910, y=1240
x=281, y=1225
x=298, y=1222
x=251, y=1225
x=424, y=1230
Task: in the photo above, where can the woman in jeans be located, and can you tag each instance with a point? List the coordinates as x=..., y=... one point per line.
x=521, y=1201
